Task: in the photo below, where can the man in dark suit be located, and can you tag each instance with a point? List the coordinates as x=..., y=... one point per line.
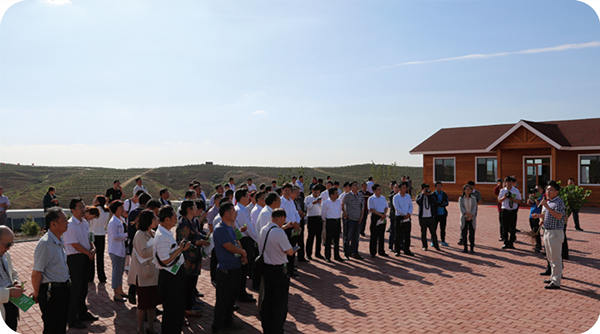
x=427, y=202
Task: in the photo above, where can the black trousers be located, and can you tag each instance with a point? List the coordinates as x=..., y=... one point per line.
x=247, y=269
x=470, y=229
x=79, y=268
x=565, y=245
x=363, y=222
x=509, y=226
x=291, y=258
x=441, y=221
x=315, y=229
x=500, y=223
x=54, y=306
x=377, y=239
x=393, y=232
x=254, y=274
x=576, y=219
x=428, y=224
x=99, y=243
x=189, y=282
x=534, y=223
x=301, y=251
x=332, y=237
x=402, y=235
x=213, y=266
x=228, y=282
x=172, y=293
x=11, y=315
x=274, y=307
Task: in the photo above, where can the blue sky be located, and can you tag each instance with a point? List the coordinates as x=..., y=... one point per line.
x=144, y=83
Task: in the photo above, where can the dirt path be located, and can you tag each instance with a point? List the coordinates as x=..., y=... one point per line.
x=132, y=179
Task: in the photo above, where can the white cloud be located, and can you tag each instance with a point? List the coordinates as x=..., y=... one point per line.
x=594, y=4
x=5, y=5
x=557, y=48
x=59, y=2
x=259, y=113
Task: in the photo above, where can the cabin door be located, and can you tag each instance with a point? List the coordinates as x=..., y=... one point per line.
x=537, y=172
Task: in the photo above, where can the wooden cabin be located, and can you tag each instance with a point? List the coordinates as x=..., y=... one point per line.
x=533, y=152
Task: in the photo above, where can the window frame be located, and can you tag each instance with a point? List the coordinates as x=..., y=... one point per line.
x=444, y=158
x=579, y=169
x=495, y=171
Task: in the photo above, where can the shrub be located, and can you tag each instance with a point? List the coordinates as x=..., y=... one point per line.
x=30, y=228
x=574, y=197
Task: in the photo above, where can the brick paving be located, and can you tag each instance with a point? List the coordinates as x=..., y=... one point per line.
x=447, y=291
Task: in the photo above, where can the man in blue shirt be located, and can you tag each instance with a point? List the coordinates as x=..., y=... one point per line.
x=534, y=200
x=442, y=213
x=230, y=257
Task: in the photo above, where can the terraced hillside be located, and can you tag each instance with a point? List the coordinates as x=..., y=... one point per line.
x=26, y=185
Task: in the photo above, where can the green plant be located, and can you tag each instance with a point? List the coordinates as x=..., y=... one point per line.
x=30, y=228
x=574, y=197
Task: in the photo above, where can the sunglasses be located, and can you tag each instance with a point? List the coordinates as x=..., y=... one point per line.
x=8, y=245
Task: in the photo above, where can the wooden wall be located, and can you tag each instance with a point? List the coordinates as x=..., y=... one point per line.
x=510, y=163
x=567, y=162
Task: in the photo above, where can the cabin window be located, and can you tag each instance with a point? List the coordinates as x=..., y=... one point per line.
x=589, y=169
x=487, y=170
x=444, y=169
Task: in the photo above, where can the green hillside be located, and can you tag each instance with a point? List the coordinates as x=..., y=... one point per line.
x=26, y=185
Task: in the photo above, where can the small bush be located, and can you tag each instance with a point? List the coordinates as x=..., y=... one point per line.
x=30, y=228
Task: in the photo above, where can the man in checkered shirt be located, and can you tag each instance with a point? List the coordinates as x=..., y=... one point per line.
x=553, y=219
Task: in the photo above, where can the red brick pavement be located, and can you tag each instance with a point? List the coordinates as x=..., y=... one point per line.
x=448, y=291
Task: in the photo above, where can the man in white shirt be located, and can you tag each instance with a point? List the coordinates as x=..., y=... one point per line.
x=168, y=259
x=138, y=186
x=219, y=190
x=315, y=222
x=260, y=204
x=231, y=184
x=272, y=202
x=509, y=198
x=276, y=249
x=378, y=208
x=132, y=203
x=292, y=223
x=331, y=212
x=370, y=184
x=4, y=205
x=300, y=184
x=404, y=207
x=251, y=185
x=80, y=252
x=325, y=193
x=249, y=234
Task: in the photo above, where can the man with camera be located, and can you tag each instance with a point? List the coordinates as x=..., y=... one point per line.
x=509, y=197
x=427, y=212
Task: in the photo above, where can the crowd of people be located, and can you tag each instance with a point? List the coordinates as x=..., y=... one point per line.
x=250, y=233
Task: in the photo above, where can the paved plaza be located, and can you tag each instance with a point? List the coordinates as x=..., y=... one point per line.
x=447, y=291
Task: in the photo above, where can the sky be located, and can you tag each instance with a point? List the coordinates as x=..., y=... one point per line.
x=146, y=83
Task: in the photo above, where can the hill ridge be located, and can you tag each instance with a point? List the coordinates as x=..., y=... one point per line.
x=25, y=186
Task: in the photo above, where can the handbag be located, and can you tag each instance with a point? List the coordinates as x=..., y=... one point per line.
x=259, y=263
